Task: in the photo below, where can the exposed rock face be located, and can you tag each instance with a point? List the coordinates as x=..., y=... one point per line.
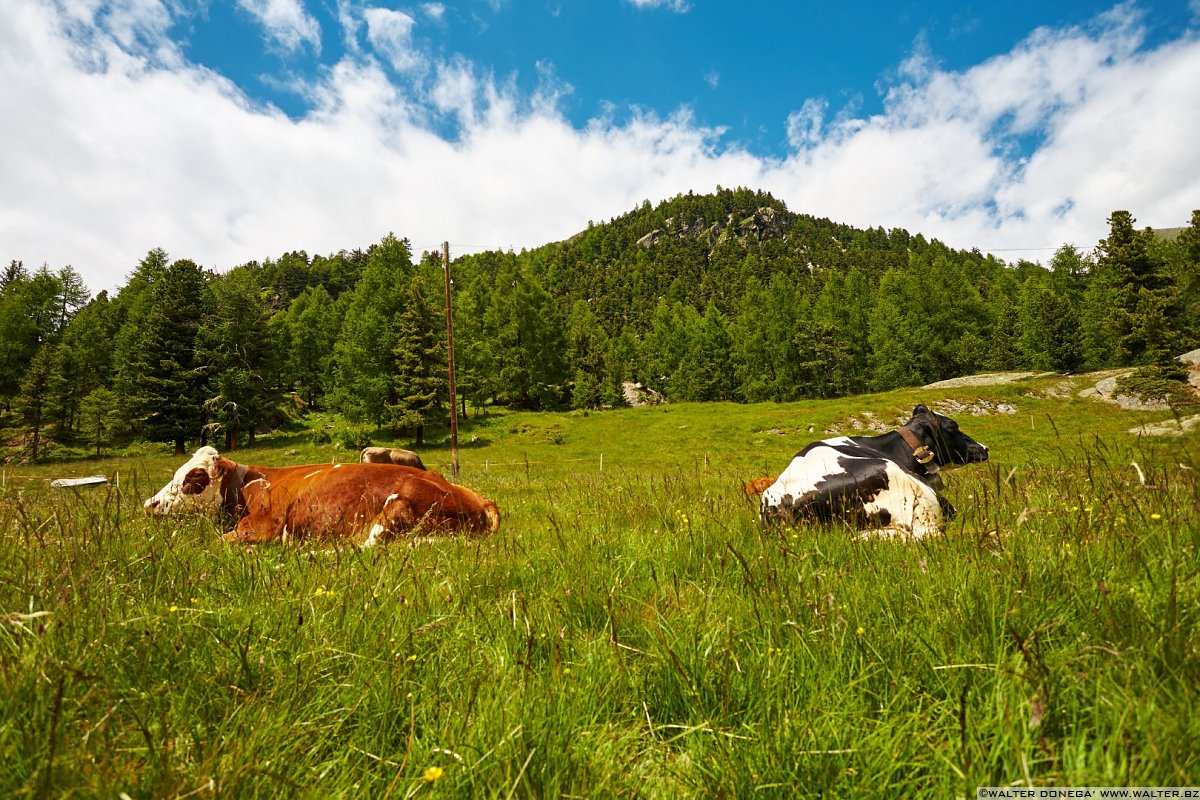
x=1170, y=427
x=638, y=395
x=984, y=379
x=979, y=408
x=765, y=223
x=1192, y=362
x=1106, y=390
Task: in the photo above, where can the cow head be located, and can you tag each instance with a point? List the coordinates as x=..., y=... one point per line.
x=951, y=447
x=196, y=486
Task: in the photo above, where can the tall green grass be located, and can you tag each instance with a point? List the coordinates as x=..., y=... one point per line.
x=631, y=631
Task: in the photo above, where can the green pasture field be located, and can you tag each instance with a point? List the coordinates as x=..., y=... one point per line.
x=631, y=630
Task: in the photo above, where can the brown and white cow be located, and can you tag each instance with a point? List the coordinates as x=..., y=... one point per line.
x=362, y=503
x=390, y=455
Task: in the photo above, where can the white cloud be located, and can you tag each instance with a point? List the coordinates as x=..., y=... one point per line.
x=1113, y=126
x=678, y=6
x=115, y=146
x=435, y=11
x=712, y=78
x=804, y=126
x=285, y=22
x=390, y=33
x=455, y=90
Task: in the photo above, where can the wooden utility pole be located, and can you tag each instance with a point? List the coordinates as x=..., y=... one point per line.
x=450, y=360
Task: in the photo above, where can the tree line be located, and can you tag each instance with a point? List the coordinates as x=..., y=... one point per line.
x=726, y=296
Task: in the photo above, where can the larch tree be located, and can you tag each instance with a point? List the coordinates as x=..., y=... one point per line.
x=312, y=330
x=34, y=399
x=588, y=347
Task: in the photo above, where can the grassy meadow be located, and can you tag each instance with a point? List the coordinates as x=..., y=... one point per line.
x=631, y=631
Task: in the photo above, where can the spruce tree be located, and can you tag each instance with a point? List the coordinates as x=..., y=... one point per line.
x=1147, y=312
x=1186, y=268
x=420, y=382
x=236, y=352
x=132, y=349
x=172, y=387
x=98, y=418
x=364, y=352
x=311, y=330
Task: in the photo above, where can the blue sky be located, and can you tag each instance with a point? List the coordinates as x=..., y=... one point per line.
x=232, y=130
x=737, y=66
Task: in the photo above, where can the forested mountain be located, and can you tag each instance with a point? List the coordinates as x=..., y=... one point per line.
x=725, y=296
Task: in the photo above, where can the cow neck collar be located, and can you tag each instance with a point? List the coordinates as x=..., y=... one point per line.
x=923, y=453
x=231, y=490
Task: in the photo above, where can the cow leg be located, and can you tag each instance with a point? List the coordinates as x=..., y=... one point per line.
x=397, y=517
x=948, y=511
x=249, y=531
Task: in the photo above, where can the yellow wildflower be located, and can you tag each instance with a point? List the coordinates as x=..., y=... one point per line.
x=433, y=773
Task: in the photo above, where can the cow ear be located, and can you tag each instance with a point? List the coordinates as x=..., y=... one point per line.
x=920, y=409
x=222, y=466
x=196, y=481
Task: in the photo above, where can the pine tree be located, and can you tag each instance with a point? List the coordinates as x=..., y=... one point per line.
x=420, y=383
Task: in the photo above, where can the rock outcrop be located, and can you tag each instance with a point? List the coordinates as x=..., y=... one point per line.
x=765, y=223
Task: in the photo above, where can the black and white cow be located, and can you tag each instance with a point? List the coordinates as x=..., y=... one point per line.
x=885, y=484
